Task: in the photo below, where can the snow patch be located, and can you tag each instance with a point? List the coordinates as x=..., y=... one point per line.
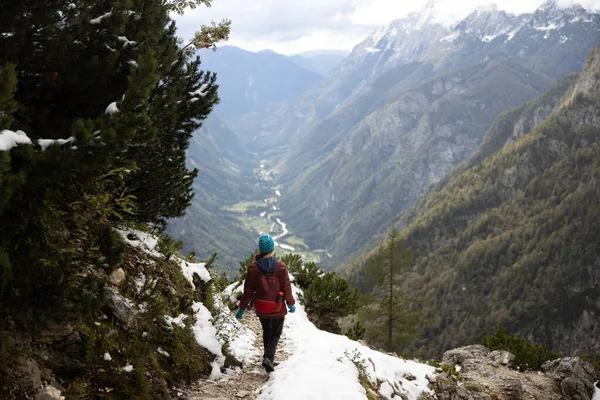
x=128, y=368
x=164, y=353
x=372, y=50
x=206, y=336
x=241, y=338
x=141, y=240
x=551, y=27
x=10, y=139
x=100, y=18
x=189, y=269
x=45, y=143
x=133, y=62
x=451, y=37
x=175, y=321
x=596, y=395
x=112, y=108
x=107, y=357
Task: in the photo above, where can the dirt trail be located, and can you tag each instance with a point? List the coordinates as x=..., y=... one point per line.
x=245, y=384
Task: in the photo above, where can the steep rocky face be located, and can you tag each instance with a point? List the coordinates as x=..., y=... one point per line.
x=424, y=114
x=513, y=238
x=389, y=158
x=486, y=375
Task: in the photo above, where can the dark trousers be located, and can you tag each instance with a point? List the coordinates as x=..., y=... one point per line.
x=272, y=328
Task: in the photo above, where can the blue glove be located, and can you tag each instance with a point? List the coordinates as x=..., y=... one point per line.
x=239, y=313
x=292, y=309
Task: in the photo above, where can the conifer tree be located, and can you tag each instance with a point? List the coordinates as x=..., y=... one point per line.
x=394, y=322
x=110, y=101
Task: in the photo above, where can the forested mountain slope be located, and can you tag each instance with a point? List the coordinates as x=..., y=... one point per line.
x=514, y=238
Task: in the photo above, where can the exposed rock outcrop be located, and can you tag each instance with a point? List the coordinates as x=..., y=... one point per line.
x=484, y=374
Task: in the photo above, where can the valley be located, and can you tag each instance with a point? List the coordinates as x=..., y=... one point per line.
x=264, y=215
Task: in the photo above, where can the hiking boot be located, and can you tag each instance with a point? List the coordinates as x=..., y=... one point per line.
x=268, y=364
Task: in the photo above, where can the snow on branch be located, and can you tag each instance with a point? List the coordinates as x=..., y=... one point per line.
x=45, y=143
x=10, y=139
x=202, y=91
x=112, y=108
x=126, y=42
x=98, y=20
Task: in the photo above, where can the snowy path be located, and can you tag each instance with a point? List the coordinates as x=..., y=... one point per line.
x=242, y=384
x=325, y=366
x=314, y=365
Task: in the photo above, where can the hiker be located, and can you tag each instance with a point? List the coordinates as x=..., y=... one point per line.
x=268, y=285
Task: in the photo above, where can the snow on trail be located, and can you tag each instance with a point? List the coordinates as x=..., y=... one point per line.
x=596, y=395
x=321, y=367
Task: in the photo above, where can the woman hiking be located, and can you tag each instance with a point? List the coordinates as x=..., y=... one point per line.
x=268, y=283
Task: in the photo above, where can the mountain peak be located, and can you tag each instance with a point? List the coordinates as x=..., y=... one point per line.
x=490, y=7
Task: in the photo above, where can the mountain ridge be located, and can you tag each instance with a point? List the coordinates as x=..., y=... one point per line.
x=509, y=74
x=512, y=238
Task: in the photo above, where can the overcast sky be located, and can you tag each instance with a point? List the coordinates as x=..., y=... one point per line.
x=294, y=26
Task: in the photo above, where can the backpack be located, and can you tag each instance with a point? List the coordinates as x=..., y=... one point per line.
x=268, y=299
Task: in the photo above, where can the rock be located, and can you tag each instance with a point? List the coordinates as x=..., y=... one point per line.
x=431, y=379
x=122, y=309
x=243, y=394
x=54, y=332
x=501, y=357
x=48, y=393
x=513, y=389
x=574, y=377
x=117, y=277
x=460, y=355
x=409, y=377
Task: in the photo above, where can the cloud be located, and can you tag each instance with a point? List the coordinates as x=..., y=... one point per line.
x=292, y=26
x=280, y=20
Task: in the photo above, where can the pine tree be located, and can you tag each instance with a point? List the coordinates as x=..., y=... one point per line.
x=395, y=321
x=327, y=299
x=109, y=80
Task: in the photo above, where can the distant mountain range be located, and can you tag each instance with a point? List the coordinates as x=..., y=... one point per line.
x=410, y=103
x=320, y=61
x=249, y=81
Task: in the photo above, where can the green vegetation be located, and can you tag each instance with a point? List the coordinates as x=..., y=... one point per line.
x=512, y=239
x=527, y=355
x=105, y=152
x=326, y=298
x=391, y=317
x=244, y=206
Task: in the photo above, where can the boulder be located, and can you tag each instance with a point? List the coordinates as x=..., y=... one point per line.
x=117, y=277
x=122, y=309
x=460, y=355
x=573, y=376
x=48, y=393
x=501, y=357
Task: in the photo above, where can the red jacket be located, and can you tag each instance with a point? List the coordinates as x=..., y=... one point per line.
x=252, y=276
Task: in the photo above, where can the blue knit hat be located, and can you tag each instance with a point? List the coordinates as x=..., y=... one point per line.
x=265, y=243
